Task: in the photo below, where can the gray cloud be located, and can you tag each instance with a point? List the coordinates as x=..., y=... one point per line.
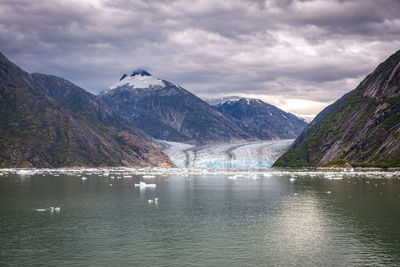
x=285, y=52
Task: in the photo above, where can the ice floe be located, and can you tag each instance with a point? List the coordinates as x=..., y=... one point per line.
x=51, y=209
x=230, y=173
x=26, y=172
x=41, y=210
x=55, y=209
x=149, y=176
x=144, y=185
x=151, y=201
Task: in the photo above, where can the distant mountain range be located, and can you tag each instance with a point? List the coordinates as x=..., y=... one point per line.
x=360, y=129
x=169, y=112
x=46, y=121
x=263, y=120
x=213, y=101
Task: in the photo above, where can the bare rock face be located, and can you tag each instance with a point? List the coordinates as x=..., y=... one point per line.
x=46, y=121
x=363, y=127
x=265, y=121
x=167, y=111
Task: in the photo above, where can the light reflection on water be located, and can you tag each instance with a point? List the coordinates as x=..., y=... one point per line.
x=200, y=220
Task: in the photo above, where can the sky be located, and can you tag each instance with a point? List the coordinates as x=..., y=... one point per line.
x=300, y=55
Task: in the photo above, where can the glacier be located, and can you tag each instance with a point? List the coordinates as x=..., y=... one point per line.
x=260, y=154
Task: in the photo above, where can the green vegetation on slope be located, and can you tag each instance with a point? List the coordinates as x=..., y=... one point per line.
x=41, y=129
x=361, y=127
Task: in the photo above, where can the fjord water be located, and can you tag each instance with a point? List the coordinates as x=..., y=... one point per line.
x=200, y=220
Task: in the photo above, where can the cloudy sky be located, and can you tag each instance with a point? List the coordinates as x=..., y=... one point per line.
x=300, y=55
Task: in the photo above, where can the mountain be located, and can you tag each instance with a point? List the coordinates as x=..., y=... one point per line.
x=169, y=112
x=218, y=100
x=63, y=125
x=361, y=129
x=82, y=103
x=263, y=120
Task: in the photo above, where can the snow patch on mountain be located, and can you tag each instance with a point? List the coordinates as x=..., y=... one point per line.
x=139, y=81
x=142, y=80
x=216, y=101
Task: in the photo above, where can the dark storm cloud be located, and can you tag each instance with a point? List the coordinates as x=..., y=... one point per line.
x=300, y=55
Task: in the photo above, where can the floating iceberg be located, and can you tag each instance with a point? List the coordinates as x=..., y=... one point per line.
x=55, y=209
x=25, y=172
x=144, y=185
x=40, y=209
x=151, y=201
x=231, y=173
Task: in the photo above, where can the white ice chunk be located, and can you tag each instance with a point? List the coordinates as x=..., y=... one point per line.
x=25, y=172
x=144, y=185
x=41, y=209
x=149, y=176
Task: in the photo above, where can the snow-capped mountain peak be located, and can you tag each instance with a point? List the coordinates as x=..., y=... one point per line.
x=221, y=100
x=138, y=79
x=249, y=101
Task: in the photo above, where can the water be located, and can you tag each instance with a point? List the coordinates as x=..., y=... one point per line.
x=201, y=219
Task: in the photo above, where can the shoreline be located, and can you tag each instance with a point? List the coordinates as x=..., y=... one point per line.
x=208, y=170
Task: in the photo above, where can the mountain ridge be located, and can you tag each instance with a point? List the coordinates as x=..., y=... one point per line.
x=362, y=128
x=266, y=121
x=37, y=131
x=171, y=113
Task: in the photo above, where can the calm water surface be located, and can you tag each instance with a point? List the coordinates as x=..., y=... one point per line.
x=200, y=220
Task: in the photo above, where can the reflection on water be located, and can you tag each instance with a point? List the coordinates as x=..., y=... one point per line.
x=201, y=219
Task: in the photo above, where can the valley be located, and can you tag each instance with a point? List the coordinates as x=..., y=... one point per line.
x=258, y=154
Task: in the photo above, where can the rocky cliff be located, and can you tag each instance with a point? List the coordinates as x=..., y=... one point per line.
x=62, y=126
x=362, y=128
